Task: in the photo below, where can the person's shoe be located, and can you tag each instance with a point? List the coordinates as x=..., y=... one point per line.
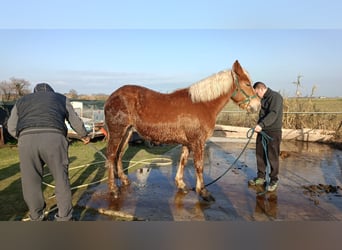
x=256, y=181
x=40, y=218
x=272, y=186
x=57, y=218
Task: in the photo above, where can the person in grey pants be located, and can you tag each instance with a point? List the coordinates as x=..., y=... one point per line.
x=37, y=120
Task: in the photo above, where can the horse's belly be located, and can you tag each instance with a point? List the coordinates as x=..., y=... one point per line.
x=163, y=134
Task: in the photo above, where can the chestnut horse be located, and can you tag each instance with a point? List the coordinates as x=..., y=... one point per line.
x=186, y=116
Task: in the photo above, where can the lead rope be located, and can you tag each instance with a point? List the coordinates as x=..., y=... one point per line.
x=264, y=139
x=249, y=135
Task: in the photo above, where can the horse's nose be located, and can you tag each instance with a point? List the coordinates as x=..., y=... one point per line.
x=253, y=108
x=255, y=105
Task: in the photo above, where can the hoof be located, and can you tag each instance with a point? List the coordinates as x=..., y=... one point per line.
x=115, y=194
x=126, y=182
x=183, y=190
x=206, y=196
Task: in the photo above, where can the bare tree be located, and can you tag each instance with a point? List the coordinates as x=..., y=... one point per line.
x=14, y=88
x=20, y=86
x=5, y=90
x=72, y=94
x=298, y=85
x=313, y=90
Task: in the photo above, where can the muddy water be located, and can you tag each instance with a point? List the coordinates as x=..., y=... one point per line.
x=309, y=189
x=303, y=167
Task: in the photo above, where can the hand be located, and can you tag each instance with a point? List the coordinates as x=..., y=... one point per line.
x=86, y=139
x=257, y=128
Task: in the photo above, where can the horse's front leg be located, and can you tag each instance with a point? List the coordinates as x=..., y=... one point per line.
x=198, y=162
x=180, y=171
x=121, y=175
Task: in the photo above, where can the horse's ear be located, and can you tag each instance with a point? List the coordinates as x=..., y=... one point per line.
x=237, y=68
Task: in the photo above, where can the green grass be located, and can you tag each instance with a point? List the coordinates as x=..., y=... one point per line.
x=92, y=170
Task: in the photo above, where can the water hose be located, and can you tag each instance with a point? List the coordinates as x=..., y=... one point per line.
x=264, y=139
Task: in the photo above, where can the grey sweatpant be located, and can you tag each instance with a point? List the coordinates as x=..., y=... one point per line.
x=36, y=150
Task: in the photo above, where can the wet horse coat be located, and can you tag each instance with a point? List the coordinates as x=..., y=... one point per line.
x=186, y=116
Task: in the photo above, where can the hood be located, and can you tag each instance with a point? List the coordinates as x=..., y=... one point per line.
x=43, y=87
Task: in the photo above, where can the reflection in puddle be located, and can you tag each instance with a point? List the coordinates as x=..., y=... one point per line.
x=266, y=205
x=142, y=175
x=303, y=165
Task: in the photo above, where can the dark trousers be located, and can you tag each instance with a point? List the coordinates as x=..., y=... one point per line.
x=273, y=151
x=36, y=150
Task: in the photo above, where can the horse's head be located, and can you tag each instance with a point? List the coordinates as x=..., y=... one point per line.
x=244, y=94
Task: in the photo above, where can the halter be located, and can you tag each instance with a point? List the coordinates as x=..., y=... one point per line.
x=236, y=82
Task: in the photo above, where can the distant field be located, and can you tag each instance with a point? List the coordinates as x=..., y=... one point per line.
x=324, y=104
x=319, y=104
x=308, y=106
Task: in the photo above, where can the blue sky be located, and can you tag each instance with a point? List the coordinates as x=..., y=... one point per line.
x=96, y=48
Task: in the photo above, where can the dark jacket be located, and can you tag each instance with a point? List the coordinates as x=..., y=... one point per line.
x=271, y=112
x=44, y=111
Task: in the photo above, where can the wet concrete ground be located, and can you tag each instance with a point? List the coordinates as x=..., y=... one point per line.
x=309, y=188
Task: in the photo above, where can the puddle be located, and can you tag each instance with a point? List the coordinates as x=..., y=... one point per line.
x=304, y=169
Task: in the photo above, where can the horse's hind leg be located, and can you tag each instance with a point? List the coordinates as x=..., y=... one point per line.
x=180, y=171
x=115, y=147
x=123, y=177
x=112, y=148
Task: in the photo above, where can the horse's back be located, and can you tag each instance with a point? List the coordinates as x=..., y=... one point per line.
x=132, y=99
x=124, y=94
x=142, y=96
x=133, y=89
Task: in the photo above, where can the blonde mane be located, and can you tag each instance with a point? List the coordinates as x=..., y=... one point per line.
x=211, y=87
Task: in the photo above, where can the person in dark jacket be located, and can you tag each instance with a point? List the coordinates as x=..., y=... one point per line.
x=37, y=120
x=270, y=121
